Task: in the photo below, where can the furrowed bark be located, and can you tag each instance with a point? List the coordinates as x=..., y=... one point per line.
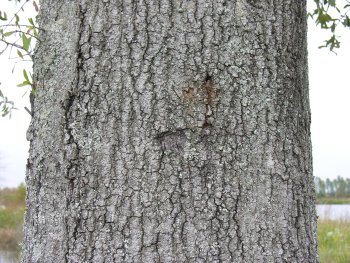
x=171, y=131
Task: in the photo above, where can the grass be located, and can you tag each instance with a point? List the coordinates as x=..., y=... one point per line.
x=334, y=241
x=332, y=201
x=11, y=217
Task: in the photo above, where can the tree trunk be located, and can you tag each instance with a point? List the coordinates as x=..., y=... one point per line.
x=171, y=131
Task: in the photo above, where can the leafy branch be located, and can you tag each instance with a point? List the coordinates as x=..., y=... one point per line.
x=20, y=38
x=329, y=16
x=7, y=105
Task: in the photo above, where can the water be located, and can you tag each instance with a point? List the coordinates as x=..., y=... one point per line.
x=8, y=257
x=334, y=212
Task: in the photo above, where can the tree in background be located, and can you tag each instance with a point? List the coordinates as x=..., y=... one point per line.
x=338, y=187
x=320, y=187
x=347, y=187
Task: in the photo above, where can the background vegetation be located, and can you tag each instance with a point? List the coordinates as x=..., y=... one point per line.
x=11, y=218
x=336, y=191
x=334, y=241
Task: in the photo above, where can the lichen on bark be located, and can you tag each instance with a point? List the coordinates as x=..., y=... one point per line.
x=171, y=131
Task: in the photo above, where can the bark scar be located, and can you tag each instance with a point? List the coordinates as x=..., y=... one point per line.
x=209, y=90
x=199, y=101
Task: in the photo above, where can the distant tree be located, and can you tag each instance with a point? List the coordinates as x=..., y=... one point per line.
x=320, y=186
x=347, y=187
x=329, y=187
x=338, y=187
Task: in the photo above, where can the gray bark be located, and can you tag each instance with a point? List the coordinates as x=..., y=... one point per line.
x=171, y=131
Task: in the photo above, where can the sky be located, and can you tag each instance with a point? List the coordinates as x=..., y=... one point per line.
x=329, y=98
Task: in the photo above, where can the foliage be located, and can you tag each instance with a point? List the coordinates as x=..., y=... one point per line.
x=337, y=188
x=333, y=241
x=332, y=201
x=11, y=217
x=20, y=37
x=328, y=14
x=11, y=206
x=6, y=105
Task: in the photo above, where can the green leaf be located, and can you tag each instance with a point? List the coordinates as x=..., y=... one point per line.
x=7, y=34
x=19, y=53
x=324, y=18
x=25, y=75
x=332, y=43
x=346, y=22
x=331, y=3
x=35, y=32
x=4, y=18
x=333, y=27
x=26, y=42
x=31, y=21
x=24, y=83
x=17, y=19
